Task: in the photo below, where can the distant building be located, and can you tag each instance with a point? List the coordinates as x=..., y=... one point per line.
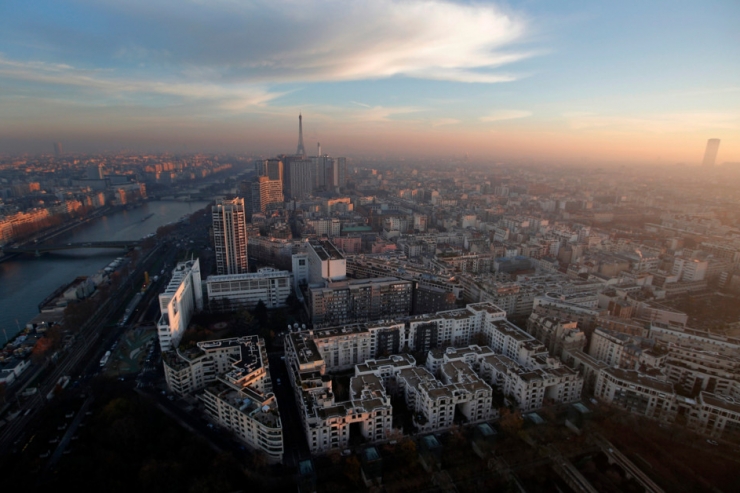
x=689, y=270
x=710, y=153
x=58, y=149
x=182, y=297
x=94, y=172
x=230, y=236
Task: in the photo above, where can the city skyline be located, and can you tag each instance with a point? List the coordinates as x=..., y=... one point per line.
x=519, y=80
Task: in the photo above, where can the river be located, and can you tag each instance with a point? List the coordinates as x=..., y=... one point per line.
x=25, y=280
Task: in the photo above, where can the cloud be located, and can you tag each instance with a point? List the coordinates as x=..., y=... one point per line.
x=368, y=113
x=500, y=115
x=227, y=96
x=277, y=41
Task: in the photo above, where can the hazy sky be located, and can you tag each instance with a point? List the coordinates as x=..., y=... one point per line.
x=634, y=81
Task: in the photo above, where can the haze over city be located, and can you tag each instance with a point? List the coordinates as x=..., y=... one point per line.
x=370, y=245
x=576, y=82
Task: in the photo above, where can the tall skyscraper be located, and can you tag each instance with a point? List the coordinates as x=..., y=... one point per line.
x=57, y=149
x=230, y=236
x=301, y=151
x=710, y=154
x=299, y=178
x=320, y=165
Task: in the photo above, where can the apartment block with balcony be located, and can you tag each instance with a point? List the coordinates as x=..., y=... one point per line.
x=231, y=377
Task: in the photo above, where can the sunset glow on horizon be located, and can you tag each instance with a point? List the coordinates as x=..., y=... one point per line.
x=529, y=80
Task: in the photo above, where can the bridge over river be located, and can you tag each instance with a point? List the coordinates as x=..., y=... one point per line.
x=40, y=248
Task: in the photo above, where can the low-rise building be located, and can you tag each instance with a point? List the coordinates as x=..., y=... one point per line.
x=244, y=291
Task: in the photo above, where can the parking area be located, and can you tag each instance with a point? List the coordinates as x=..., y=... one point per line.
x=132, y=352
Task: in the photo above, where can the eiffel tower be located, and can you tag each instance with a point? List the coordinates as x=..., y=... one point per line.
x=301, y=150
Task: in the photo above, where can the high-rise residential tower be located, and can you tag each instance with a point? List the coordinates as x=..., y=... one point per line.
x=266, y=194
x=230, y=236
x=299, y=178
x=301, y=151
x=710, y=154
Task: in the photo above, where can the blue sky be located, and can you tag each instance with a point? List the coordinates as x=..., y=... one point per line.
x=586, y=81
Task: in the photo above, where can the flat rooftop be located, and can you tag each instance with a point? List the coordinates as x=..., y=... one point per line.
x=326, y=250
x=395, y=360
x=340, y=330
x=262, y=274
x=512, y=330
x=305, y=349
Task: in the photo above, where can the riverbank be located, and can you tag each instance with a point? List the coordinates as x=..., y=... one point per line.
x=25, y=280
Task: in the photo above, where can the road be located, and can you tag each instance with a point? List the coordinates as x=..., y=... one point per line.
x=295, y=445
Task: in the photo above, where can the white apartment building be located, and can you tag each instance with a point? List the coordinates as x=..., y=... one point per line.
x=182, y=297
x=232, y=378
x=326, y=422
x=245, y=291
x=531, y=387
x=689, y=270
x=717, y=416
x=430, y=400
x=681, y=334
x=637, y=393
x=514, y=362
x=713, y=415
x=435, y=401
x=325, y=262
x=343, y=347
x=625, y=351
x=696, y=369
